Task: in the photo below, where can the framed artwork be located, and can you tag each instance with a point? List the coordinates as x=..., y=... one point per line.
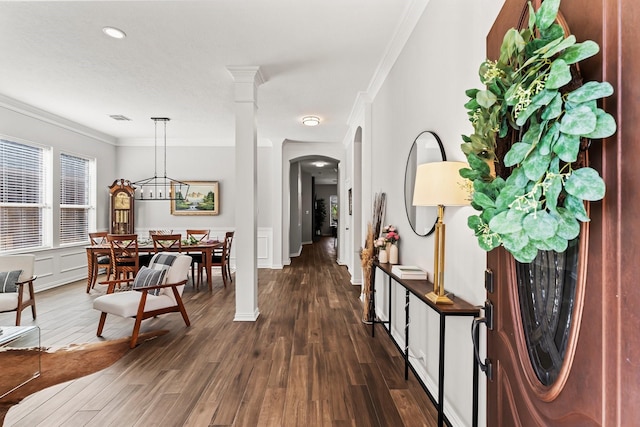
x=350, y=203
x=202, y=198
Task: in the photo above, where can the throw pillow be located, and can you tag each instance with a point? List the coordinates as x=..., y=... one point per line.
x=8, y=280
x=149, y=277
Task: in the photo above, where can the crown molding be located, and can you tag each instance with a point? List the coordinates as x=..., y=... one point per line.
x=44, y=116
x=412, y=14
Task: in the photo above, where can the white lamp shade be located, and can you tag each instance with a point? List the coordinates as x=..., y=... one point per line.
x=440, y=183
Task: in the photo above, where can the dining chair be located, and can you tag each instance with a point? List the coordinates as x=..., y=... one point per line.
x=222, y=256
x=16, y=284
x=152, y=232
x=167, y=242
x=99, y=238
x=125, y=260
x=220, y=259
x=145, y=259
x=197, y=236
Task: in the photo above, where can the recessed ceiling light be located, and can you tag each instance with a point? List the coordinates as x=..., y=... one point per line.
x=114, y=32
x=310, y=121
x=319, y=164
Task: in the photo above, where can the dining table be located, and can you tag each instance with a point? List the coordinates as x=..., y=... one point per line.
x=146, y=247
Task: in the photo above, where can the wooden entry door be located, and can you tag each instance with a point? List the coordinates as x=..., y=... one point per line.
x=598, y=381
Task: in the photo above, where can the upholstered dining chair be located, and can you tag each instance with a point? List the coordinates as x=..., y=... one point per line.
x=16, y=284
x=101, y=261
x=156, y=290
x=220, y=259
x=167, y=242
x=125, y=261
x=199, y=235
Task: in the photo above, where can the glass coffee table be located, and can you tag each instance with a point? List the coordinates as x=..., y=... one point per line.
x=17, y=356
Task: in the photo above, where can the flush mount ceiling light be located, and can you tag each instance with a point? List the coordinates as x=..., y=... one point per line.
x=310, y=121
x=319, y=164
x=114, y=32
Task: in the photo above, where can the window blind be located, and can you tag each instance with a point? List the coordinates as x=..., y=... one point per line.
x=22, y=181
x=75, y=181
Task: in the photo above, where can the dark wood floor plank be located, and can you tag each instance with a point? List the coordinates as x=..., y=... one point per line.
x=272, y=409
x=254, y=396
x=409, y=410
x=308, y=359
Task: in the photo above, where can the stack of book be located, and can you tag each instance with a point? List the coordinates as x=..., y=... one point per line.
x=409, y=272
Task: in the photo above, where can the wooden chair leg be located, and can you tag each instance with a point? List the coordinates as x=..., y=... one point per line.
x=103, y=317
x=224, y=275
x=18, y=315
x=183, y=311
x=33, y=300
x=229, y=273
x=94, y=275
x=136, y=332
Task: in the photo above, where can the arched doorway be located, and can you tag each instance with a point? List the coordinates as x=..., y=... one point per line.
x=314, y=200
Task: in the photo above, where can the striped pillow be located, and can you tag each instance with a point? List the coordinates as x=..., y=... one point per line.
x=149, y=277
x=8, y=280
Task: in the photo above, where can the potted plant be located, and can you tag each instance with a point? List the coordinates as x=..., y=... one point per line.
x=531, y=122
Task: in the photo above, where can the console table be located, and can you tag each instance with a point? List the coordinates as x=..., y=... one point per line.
x=420, y=288
x=14, y=340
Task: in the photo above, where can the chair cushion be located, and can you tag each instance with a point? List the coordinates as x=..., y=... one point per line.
x=8, y=280
x=104, y=260
x=8, y=302
x=125, y=304
x=149, y=277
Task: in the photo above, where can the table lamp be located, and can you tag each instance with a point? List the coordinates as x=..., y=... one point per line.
x=440, y=184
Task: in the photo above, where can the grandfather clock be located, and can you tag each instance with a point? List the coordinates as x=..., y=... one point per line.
x=121, y=203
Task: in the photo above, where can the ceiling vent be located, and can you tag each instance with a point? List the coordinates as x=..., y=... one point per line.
x=120, y=117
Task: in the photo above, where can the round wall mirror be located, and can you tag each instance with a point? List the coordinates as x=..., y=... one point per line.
x=426, y=148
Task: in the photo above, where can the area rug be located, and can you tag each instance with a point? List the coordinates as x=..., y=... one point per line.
x=60, y=365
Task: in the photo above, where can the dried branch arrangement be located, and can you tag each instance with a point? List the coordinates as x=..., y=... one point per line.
x=368, y=253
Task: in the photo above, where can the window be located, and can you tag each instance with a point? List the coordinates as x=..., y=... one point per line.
x=22, y=196
x=75, y=199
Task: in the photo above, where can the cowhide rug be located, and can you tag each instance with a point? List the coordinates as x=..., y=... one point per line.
x=59, y=365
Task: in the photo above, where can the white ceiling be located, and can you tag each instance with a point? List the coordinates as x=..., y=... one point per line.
x=315, y=57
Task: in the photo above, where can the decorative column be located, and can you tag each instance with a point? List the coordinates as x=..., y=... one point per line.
x=247, y=79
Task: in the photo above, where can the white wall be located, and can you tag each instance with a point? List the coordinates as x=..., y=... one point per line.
x=22, y=123
x=200, y=163
x=295, y=210
x=425, y=91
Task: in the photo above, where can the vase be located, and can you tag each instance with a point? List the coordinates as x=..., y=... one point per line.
x=383, y=258
x=393, y=254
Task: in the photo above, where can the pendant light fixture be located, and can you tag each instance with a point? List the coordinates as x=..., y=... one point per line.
x=160, y=187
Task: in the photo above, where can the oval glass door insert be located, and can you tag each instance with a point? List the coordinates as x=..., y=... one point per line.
x=547, y=293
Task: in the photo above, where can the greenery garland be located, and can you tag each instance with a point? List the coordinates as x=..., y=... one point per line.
x=540, y=203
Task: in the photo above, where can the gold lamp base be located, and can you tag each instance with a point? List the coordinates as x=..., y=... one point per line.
x=438, y=299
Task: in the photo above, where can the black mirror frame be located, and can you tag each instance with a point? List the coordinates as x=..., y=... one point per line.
x=408, y=203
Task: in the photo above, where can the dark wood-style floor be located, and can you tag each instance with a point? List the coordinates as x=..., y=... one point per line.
x=307, y=361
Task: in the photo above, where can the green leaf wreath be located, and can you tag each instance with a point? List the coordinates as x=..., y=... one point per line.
x=537, y=203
